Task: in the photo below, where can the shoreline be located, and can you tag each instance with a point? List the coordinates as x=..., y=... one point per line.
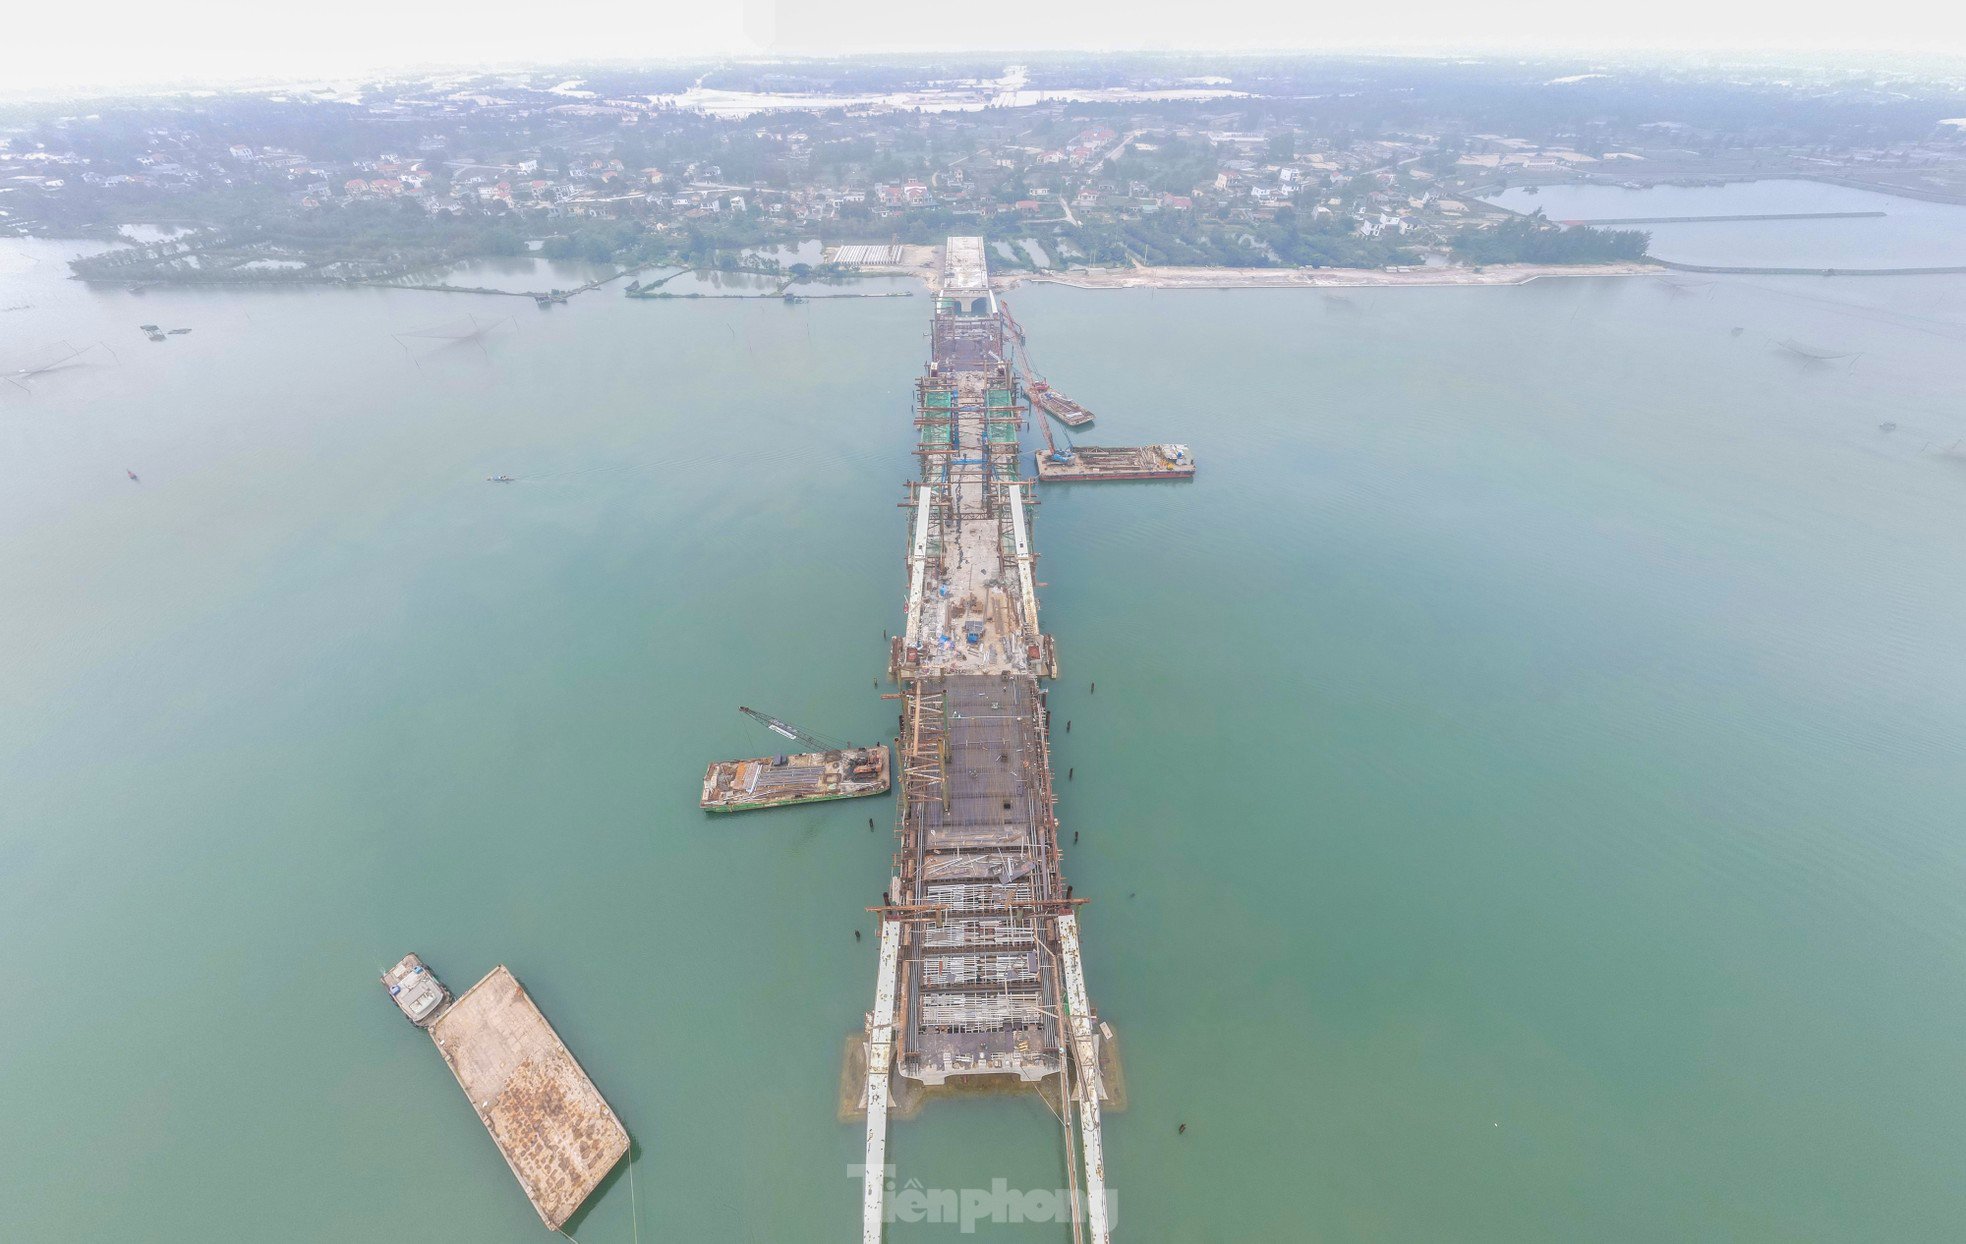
x=1651, y=179
x=1321, y=278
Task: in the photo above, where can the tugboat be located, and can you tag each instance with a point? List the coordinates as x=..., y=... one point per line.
x=419, y=995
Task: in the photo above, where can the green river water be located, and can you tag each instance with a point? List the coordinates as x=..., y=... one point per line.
x=1522, y=792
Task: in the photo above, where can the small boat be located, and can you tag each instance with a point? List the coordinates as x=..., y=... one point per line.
x=500, y=479
x=148, y=328
x=179, y=332
x=1887, y=426
x=418, y=994
x=132, y=474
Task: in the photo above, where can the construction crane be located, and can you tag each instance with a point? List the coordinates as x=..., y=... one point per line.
x=1034, y=381
x=1071, y=450
x=790, y=731
x=1020, y=351
x=1010, y=321
x=1051, y=451
x=1029, y=375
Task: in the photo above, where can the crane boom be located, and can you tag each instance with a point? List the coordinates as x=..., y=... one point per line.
x=787, y=729
x=1022, y=355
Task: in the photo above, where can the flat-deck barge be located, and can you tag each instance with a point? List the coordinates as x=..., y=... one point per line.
x=1086, y=463
x=798, y=777
x=1058, y=406
x=550, y=1123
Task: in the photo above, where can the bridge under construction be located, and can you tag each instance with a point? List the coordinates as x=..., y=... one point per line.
x=980, y=970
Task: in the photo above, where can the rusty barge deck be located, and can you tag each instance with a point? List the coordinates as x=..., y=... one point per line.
x=799, y=777
x=551, y=1125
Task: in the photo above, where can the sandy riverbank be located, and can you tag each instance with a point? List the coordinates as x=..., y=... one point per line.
x=1319, y=278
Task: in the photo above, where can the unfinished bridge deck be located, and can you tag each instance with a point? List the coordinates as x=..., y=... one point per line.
x=980, y=971
x=978, y=850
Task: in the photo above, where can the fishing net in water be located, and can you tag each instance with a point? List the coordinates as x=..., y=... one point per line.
x=20, y=368
x=1821, y=354
x=470, y=328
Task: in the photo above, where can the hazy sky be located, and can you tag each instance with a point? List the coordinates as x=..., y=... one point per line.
x=122, y=42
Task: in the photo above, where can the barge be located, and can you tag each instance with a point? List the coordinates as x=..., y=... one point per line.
x=1058, y=406
x=798, y=777
x=1087, y=463
x=551, y=1125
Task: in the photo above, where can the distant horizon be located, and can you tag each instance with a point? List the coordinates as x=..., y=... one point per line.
x=1935, y=66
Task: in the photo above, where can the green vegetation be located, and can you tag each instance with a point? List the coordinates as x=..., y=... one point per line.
x=1310, y=164
x=599, y=241
x=1191, y=238
x=1176, y=166
x=1532, y=239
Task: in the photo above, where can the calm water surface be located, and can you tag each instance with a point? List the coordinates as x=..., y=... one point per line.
x=1912, y=233
x=1521, y=802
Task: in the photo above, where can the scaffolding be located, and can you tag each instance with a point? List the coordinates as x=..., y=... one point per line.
x=935, y=424
x=977, y=868
x=980, y=973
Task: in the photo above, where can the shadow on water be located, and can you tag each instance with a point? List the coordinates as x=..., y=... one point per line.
x=624, y=1171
